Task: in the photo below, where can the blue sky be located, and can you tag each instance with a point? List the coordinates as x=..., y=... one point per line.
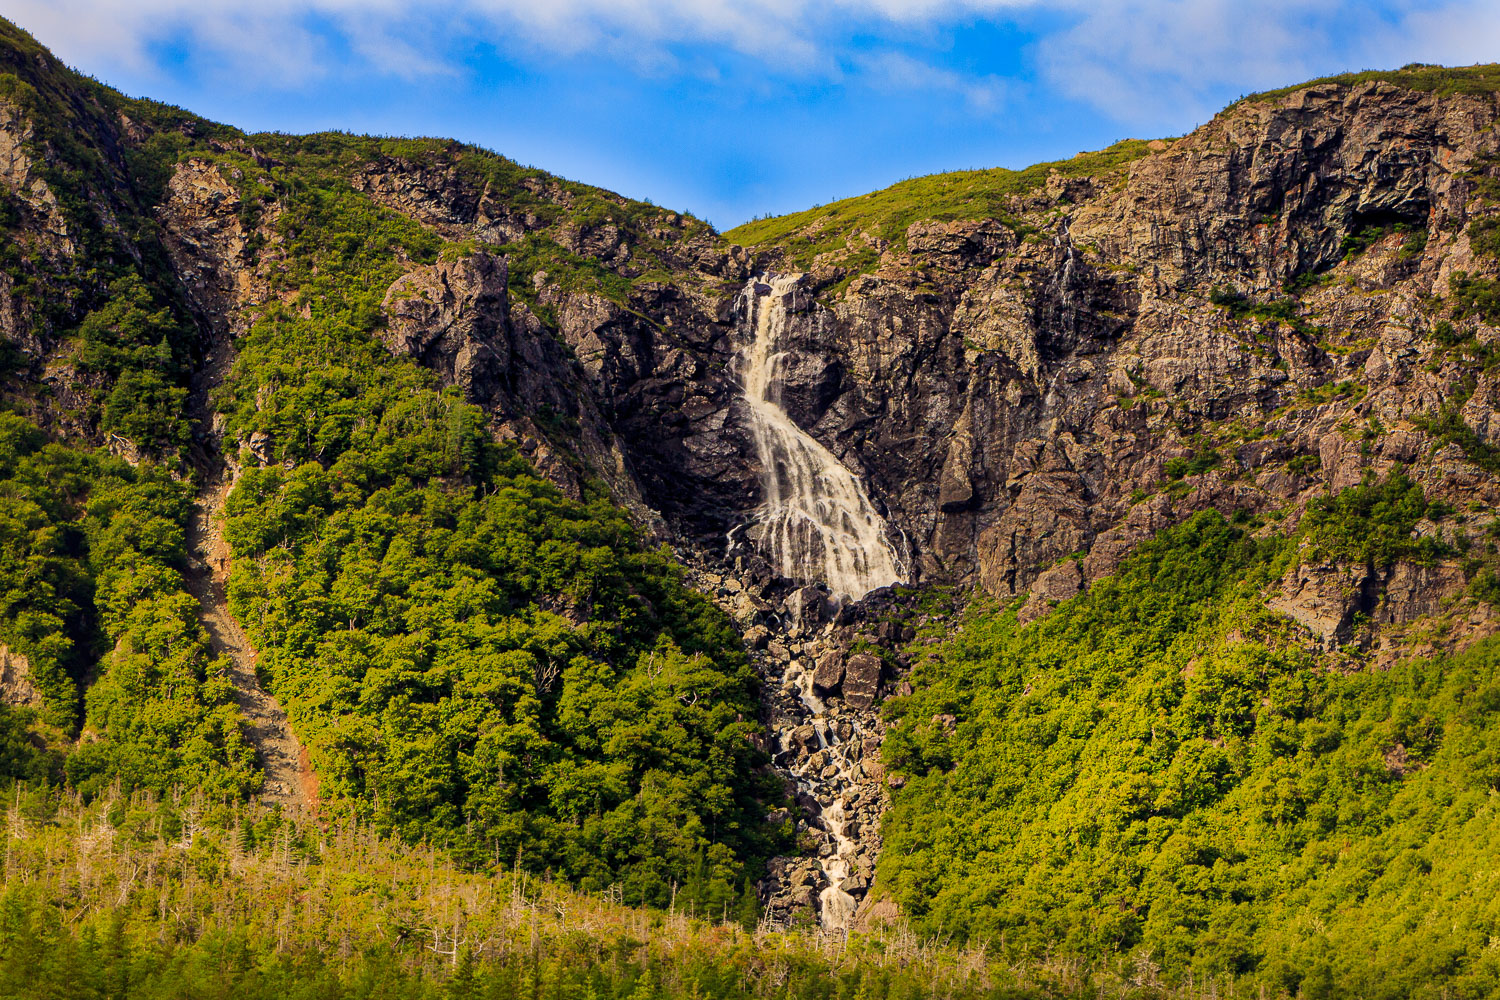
x=736, y=109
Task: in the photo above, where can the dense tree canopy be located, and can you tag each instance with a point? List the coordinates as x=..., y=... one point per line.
x=1158, y=769
x=471, y=656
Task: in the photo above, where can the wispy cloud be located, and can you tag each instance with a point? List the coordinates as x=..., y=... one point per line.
x=784, y=33
x=1142, y=62
x=896, y=71
x=1153, y=62
x=1466, y=32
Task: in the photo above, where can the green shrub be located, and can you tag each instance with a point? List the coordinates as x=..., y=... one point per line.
x=1415, y=244
x=1202, y=460
x=1475, y=296
x=1283, y=310
x=1484, y=236
x=1373, y=523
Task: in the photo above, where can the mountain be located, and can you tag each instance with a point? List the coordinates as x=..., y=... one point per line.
x=393, y=483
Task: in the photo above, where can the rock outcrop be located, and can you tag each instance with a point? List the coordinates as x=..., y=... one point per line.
x=452, y=316
x=16, y=687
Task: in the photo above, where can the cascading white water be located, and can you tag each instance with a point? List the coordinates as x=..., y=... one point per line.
x=816, y=521
x=836, y=907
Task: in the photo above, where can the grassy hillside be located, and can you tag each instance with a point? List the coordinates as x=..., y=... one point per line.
x=1483, y=78
x=841, y=226
x=146, y=898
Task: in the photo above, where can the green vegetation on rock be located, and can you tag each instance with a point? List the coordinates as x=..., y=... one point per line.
x=1373, y=524
x=1481, y=79
x=471, y=657
x=92, y=585
x=886, y=214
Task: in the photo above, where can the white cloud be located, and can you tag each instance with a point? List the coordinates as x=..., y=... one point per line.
x=1458, y=33
x=1154, y=62
x=895, y=71
x=1145, y=62
x=782, y=32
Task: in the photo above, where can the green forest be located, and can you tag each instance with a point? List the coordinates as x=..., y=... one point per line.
x=1160, y=769
x=470, y=656
x=93, y=591
x=1155, y=789
x=541, y=762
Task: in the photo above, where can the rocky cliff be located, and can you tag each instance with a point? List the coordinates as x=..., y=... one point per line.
x=1249, y=300
x=1028, y=381
x=1267, y=309
x=1245, y=317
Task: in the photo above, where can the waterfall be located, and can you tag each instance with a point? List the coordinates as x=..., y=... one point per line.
x=837, y=906
x=840, y=743
x=815, y=522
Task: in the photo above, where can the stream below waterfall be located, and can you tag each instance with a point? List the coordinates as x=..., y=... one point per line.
x=816, y=524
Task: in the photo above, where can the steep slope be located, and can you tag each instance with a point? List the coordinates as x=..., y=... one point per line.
x=1293, y=295
x=287, y=781
x=468, y=652
x=439, y=379
x=1163, y=769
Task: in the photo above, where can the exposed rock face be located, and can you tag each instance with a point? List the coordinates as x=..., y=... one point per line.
x=830, y=670
x=211, y=246
x=19, y=175
x=16, y=687
x=452, y=316
x=1327, y=598
x=1052, y=587
x=1012, y=402
x=1269, y=190
x=1011, y=393
x=861, y=680
x=1411, y=591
